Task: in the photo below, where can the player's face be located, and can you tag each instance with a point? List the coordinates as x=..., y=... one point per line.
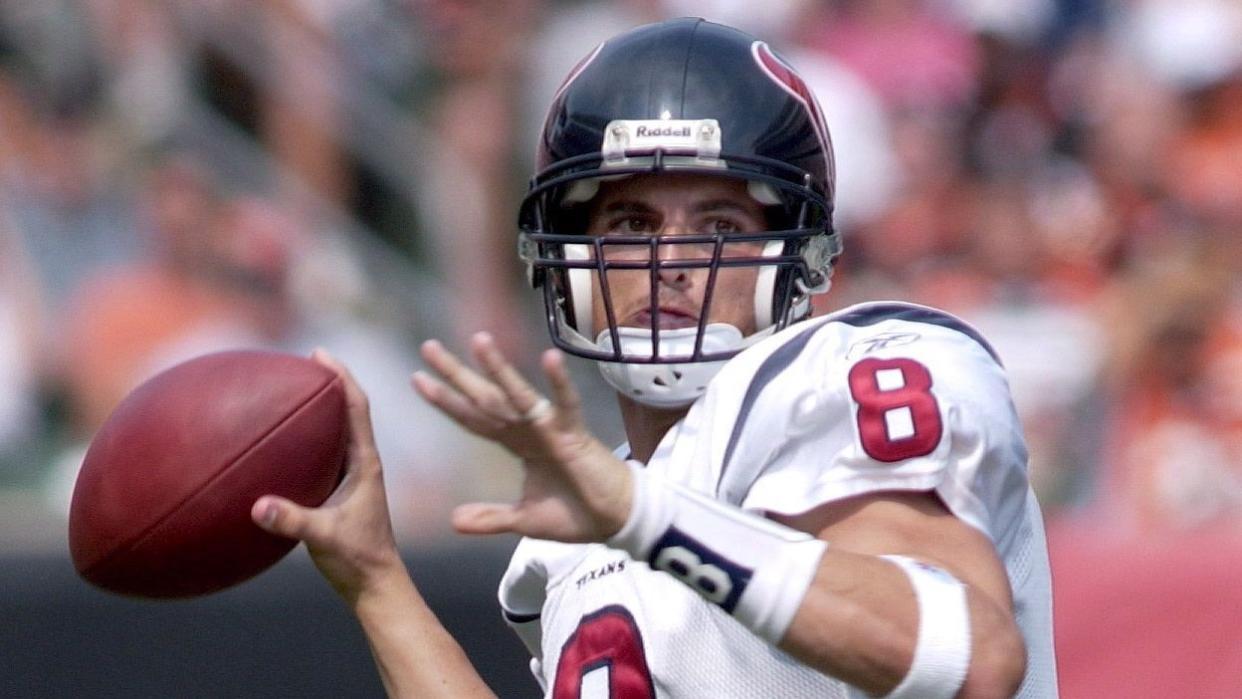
x=677, y=204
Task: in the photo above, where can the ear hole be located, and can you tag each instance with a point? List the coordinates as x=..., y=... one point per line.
x=765, y=286
x=579, y=282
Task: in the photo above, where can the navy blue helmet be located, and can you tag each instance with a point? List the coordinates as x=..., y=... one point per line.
x=685, y=95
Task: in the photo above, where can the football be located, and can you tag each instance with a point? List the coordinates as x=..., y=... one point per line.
x=161, y=506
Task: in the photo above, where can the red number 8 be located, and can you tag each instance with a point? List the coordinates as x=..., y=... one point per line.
x=876, y=404
x=608, y=640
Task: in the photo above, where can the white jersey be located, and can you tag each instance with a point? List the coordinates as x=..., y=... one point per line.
x=881, y=396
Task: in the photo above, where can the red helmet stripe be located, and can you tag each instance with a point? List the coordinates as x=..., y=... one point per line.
x=788, y=79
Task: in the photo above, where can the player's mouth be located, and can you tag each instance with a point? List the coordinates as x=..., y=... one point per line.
x=668, y=318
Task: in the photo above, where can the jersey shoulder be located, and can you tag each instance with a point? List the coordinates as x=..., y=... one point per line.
x=880, y=396
x=822, y=353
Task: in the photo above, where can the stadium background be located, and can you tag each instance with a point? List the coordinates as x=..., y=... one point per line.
x=187, y=175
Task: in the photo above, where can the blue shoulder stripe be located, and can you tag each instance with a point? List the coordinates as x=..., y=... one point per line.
x=773, y=365
x=873, y=313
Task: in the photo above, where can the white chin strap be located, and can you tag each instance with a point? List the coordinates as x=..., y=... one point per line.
x=666, y=385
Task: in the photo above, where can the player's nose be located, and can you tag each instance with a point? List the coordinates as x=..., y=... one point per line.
x=671, y=259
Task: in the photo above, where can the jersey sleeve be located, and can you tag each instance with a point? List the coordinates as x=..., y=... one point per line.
x=522, y=592
x=892, y=405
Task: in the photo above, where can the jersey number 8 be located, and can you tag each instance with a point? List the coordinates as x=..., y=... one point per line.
x=708, y=580
x=898, y=416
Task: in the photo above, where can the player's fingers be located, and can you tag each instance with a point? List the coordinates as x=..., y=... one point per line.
x=280, y=516
x=358, y=411
x=484, y=518
x=456, y=406
x=564, y=394
x=520, y=393
x=476, y=388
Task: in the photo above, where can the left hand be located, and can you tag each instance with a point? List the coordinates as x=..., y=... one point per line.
x=574, y=490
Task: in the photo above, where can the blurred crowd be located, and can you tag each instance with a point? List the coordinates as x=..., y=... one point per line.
x=189, y=175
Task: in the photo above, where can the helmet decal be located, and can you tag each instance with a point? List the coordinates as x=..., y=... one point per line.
x=790, y=81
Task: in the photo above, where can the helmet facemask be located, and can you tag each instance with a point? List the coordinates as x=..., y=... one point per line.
x=669, y=367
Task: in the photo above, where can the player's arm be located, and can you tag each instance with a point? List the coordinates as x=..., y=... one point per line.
x=351, y=541
x=934, y=622
x=860, y=617
x=415, y=654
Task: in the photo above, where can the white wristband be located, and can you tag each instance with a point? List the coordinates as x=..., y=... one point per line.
x=753, y=568
x=942, y=653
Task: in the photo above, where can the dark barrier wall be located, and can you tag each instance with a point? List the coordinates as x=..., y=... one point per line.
x=284, y=634
x=1135, y=618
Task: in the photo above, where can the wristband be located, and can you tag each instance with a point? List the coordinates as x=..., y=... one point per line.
x=942, y=653
x=754, y=569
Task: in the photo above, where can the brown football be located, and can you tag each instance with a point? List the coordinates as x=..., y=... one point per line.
x=161, y=507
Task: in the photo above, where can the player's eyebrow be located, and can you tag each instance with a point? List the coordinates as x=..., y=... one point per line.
x=629, y=206
x=719, y=205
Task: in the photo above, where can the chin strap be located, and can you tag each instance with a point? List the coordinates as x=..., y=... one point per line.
x=669, y=385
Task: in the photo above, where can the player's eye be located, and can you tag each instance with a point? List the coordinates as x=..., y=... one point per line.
x=626, y=225
x=726, y=224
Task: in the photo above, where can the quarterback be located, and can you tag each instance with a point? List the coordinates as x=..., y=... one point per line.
x=805, y=507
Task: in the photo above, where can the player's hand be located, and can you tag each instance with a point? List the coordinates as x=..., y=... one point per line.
x=574, y=489
x=350, y=536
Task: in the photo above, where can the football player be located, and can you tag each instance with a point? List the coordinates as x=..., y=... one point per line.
x=816, y=507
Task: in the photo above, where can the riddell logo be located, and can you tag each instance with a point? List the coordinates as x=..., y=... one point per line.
x=662, y=131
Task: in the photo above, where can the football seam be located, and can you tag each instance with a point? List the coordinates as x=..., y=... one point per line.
x=149, y=529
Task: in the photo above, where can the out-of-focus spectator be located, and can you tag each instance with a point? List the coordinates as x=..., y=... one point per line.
x=471, y=186
x=1203, y=171
x=147, y=61
x=302, y=119
x=1123, y=125
x=57, y=177
x=1169, y=452
x=911, y=55
x=123, y=314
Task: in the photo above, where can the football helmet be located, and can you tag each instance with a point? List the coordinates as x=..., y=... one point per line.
x=685, y=95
